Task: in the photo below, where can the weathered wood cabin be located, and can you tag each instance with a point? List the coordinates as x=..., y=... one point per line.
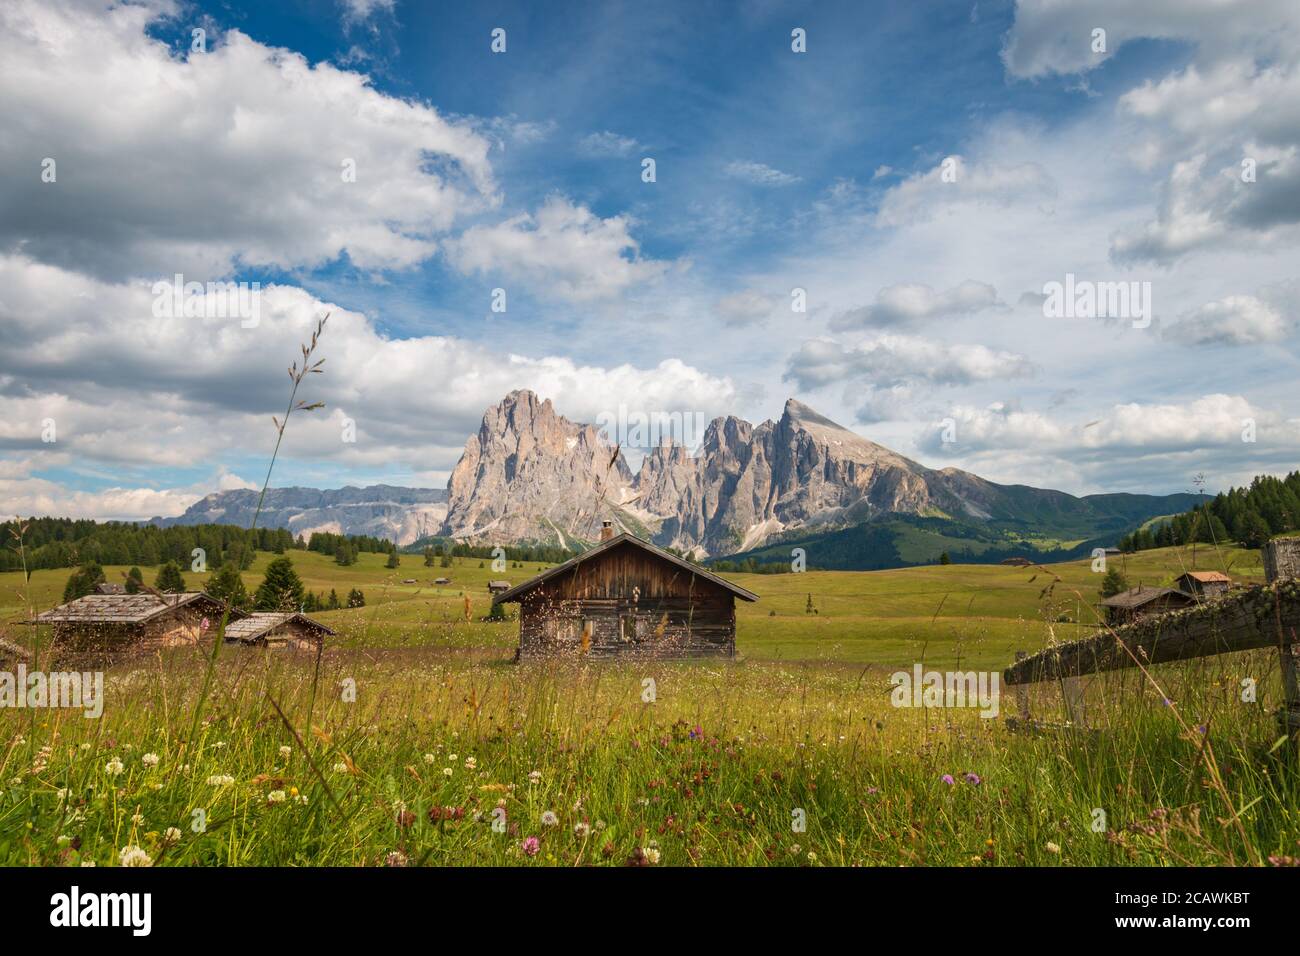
x=1203, y=584
x=112, y=624
x=626, y=598
x=277, y=629
x=1141, y=601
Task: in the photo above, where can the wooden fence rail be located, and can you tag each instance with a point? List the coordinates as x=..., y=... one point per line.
x=1258, y=617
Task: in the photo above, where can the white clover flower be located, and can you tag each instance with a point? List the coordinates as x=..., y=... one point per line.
x=470, y=763
x=113, y=767
x=149, y=760
x=452, y=758
x=285, y=750
x=134, y=856
x=85, y=746
x=581, y=830
x=276, y=796
x=63, y=840
x=535, y=777
x=549, y=819
x=88, y=863
x=651, y=854
x=220, y=780
x=173, y=835
x=1053, y=848
x=430, y=758
x=137, y=819
x=446, y=771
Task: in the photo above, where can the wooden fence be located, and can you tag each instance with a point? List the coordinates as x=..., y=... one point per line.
x=1256, y=617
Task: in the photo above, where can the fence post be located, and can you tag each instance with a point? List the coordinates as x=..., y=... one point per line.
x=1072, y=694
x=1282, y=561
x=1022, y=692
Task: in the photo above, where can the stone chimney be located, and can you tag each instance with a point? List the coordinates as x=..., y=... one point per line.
x=606, y=530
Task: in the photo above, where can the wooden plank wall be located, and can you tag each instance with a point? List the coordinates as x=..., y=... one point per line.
x=628, y=604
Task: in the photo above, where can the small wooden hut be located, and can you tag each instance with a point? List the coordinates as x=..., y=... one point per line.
x=626, y=598
x=110, y=624
x=1203, y=584
x=1141, y=601
x=277, y=629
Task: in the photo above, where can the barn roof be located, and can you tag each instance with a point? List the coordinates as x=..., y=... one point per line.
x=1140, y=595
x=260, y=623
x=515, y=593
x=1206, y=577
x=126, y=608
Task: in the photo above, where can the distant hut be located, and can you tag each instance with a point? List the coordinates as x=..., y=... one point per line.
x=1203, y=584
x=111, y=624
x=498, y=587
x=442, y=580
x=1142, y=601
x=277, y=629
x=626, y=598
x=12, y=654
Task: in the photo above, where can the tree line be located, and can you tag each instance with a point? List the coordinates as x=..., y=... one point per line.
x=70, y=542
x=280, y=589
x=1246, y=516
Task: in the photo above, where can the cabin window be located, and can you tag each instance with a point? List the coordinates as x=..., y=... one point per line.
x=635, y=628
x=565, y=630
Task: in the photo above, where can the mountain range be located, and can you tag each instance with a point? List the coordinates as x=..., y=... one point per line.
x=531, y=475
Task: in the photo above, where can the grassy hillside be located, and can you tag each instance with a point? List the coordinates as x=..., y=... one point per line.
x=976, y=614
x=1034, y=524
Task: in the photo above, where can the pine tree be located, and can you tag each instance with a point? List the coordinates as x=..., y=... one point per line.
x=808, y=608
x=1253, y=531
x=134, y=581
x=227, y=585
x=356, y=598
x=333, y=604
x=428, y=557
x=170, y=580
x=944, y=559
x=281, y=589
x=393, y=560
x=1113, y=583
x=83, y=581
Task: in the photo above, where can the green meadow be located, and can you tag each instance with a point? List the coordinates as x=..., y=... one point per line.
x=971, y=614
x=412, y=740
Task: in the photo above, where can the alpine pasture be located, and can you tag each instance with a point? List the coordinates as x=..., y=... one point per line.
x=412, y=739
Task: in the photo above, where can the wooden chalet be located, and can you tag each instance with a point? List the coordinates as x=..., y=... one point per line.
x=109, y=624
x=626, y=598
x=1141, y=601
x=1203, y=584
x=277, y=629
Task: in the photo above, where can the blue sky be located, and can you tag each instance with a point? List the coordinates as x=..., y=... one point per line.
x=775, y=170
